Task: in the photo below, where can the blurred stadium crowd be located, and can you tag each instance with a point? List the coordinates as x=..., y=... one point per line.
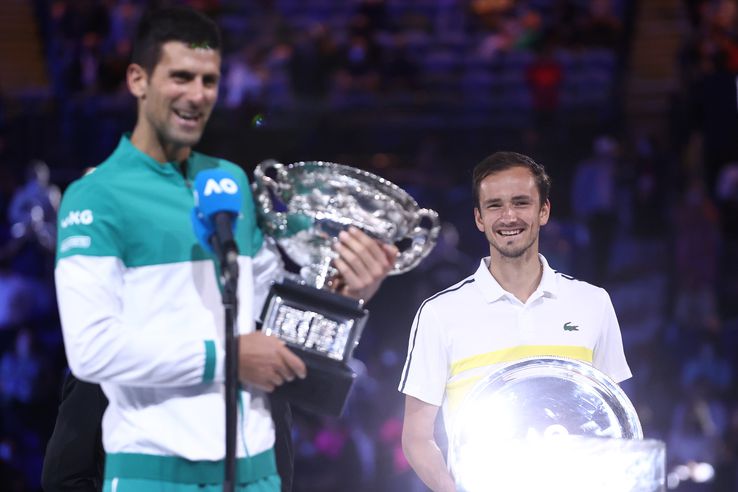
x=418, y=91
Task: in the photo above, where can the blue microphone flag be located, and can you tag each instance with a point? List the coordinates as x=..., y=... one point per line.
x=216, y=191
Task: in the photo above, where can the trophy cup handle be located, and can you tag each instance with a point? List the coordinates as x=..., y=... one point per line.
x=423, y=238
x=276, y=184
x=266, y=189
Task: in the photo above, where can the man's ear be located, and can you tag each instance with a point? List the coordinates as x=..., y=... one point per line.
x=137, y=80
x=545, y=212
x=478, y=219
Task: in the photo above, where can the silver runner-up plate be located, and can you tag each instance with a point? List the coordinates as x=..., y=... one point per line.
x=552, y=424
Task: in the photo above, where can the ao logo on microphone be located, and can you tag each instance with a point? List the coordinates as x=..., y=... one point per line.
x=224, y=185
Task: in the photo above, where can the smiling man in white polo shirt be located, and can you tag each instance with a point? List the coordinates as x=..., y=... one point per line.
x=513, y=307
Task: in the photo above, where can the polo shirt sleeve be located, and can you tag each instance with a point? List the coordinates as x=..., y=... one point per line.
x=427, y=364
x=609, y=356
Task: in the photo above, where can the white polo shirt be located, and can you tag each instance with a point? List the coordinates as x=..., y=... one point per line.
x=474, y=327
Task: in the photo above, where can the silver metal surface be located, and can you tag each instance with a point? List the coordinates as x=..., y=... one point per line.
x=305, y=205
x=566, y=464
x=549, y=413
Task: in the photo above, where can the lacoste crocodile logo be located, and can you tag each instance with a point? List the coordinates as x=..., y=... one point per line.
x=569, y=327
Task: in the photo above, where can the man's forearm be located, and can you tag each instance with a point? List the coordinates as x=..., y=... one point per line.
x=427, y=460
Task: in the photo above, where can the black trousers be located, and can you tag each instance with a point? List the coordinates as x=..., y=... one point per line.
x=75, y=458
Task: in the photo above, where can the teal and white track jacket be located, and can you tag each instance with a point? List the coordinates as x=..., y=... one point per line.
x=141, y=307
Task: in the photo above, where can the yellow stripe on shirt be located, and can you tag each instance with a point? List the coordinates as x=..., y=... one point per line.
x=521, y=352
x=458, y=389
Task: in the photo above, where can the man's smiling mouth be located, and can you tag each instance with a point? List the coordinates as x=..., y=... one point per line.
x=188, y=115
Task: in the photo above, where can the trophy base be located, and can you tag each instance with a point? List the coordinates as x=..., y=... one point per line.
x=323, y=329
x=326, y=388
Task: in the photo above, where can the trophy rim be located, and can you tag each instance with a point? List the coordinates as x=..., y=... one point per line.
x=630, y=424
x=397, y=190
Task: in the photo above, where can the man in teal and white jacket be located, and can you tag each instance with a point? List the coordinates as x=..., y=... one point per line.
x=139, y=298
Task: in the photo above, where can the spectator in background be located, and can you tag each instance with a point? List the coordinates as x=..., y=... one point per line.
x=727, y=201
x=530, y=30
x=21, y=370
x=16, y=291
x=651, y=180
x=698, y=423
x=593, y=201
x=244, y=81
x=727, y=473
x=313, y=63
x=708, y=366
x=359, y=68
x=496, y=40
x=399, y=69
x=697, y=230
x=10, y=475
x=33, y=206
x=488, y=14
x=30, y=248
x=697, y=11
x=112, y=68
x=23, y=394
x=124, y=17
x=375, y=14
x=717, y=117
x=565, y=20
x=601, y=28
x=450, y=18
x=87, y=64
x=545, y=77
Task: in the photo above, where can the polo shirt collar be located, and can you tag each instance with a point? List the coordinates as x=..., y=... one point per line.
x=493, y=291
x=131, y=153
x=549, y=283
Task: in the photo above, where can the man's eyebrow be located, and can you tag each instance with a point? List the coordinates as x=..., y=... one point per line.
x=181, y=72
x=490, y=201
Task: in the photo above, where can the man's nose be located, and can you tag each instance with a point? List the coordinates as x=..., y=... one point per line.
x=508, y=212
x=197, y=92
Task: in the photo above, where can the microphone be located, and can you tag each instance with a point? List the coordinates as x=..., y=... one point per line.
x=217, y=206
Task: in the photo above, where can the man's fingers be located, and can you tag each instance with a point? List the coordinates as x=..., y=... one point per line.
x=284, y=373
x=366, y=248
x=391, y=252
x=364, y=256
x=266, y=362
x=361, y=243
x=294, y=363
x=265, y=387
x=349, y=275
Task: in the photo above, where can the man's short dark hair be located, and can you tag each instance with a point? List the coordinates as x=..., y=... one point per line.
x=172, y=24
x=501, y=161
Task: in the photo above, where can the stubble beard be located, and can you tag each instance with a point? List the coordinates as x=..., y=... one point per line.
x=171, y=135
x=511, y=252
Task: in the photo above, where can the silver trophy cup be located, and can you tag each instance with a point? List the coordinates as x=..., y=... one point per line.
x=552, y=424
x=304, y=206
